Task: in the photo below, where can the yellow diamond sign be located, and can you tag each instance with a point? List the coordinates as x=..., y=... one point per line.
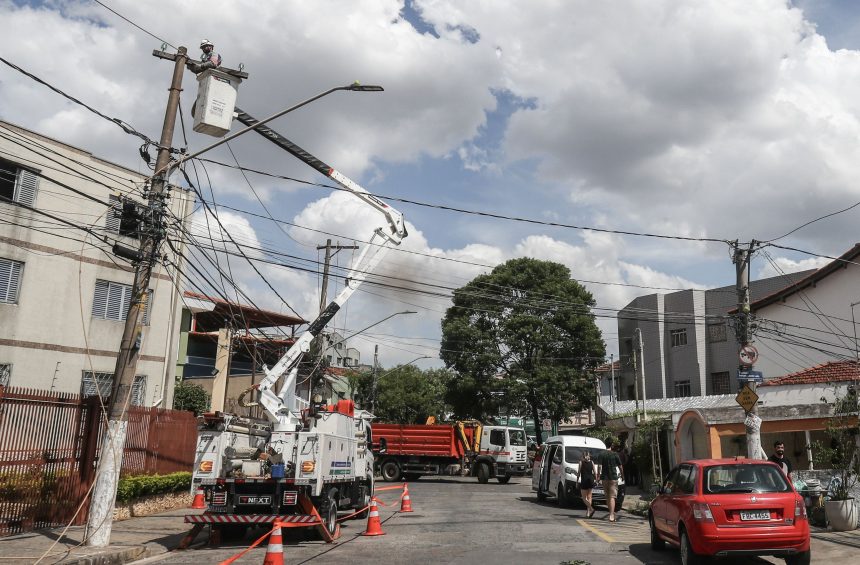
x=747, y=398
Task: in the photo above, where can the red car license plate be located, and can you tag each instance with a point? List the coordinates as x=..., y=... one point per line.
x=756, y=515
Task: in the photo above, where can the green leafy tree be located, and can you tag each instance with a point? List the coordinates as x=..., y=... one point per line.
x=522, y=333
x=405, y=394
x=191, y=397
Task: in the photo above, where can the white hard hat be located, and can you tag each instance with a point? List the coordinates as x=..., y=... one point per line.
x=206, y=42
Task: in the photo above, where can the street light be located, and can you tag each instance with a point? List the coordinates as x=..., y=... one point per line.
x=354, y=87
x=370, y=326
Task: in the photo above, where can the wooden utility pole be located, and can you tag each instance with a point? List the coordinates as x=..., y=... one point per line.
x=741, y=258
x=100, y=519
x=223, y=359
x=640, y=345
x=373, y=378
x=328, y=255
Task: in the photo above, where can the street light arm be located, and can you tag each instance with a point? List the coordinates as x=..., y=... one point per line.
x=355, y=87
x=343, y=339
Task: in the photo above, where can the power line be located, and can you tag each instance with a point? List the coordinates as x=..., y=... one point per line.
x=108, y=8
x=818, y=219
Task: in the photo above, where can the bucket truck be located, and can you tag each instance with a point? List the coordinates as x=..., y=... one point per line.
x=306, y=460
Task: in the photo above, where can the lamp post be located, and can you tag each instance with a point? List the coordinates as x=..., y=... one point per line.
x=854, y=325
x=370, y=326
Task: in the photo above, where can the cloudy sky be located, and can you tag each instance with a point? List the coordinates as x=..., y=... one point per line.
x=724, y=119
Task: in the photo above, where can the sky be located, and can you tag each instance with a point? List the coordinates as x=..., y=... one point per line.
x=712, y=119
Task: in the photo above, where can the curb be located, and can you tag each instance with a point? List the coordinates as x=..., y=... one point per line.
x=118, y=556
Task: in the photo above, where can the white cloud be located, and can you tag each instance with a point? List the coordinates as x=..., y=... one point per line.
x=785, y=266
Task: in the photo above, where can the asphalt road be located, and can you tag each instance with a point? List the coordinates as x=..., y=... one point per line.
x=457, y=520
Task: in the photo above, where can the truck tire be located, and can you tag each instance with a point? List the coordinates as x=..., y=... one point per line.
x=504, y=480
x=328, y=511
x=483, y=473
x=390, y=470
x=366, y=495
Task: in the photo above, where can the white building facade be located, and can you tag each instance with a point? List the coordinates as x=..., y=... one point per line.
x=64, y=295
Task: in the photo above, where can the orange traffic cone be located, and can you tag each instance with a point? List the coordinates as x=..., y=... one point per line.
x=275, y=550
x=405, y=501
x=198, y=501
x=374, y=526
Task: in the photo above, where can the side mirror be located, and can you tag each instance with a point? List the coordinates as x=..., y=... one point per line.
x=383, y=445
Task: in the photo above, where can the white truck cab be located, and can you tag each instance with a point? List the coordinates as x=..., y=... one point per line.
x=556, y=470
x=503, y=454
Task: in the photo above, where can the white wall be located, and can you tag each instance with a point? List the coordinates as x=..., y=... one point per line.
x=50, y=336
x=823, y=311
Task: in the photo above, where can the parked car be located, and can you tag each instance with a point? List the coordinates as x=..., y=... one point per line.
x=555, y=471
x=730, y=507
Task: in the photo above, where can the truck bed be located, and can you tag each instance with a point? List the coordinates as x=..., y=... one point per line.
x=419, y=440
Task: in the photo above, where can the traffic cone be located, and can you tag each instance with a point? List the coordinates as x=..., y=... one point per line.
x=198, y=501
x=275, y=550
x=374, y=526
x=405, y=501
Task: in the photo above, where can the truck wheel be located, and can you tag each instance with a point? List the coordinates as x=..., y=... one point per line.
x=390, y=470
x=328, y=511
x=483, y=473
x=504, y=480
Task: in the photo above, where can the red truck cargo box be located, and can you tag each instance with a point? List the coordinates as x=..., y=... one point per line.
x=433, y=441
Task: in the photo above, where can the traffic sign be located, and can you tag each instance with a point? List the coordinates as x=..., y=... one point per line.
x=747, y=398
x=750, y=376
x=748, y=355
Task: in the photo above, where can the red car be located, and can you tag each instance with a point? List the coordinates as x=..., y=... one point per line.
x=730, y=507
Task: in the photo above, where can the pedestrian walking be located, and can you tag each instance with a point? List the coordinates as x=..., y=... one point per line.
x=586, y=481
x=610, y=469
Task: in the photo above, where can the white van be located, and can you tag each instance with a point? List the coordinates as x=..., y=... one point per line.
x=556, y=470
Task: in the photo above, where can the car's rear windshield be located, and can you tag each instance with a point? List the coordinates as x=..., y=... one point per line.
x=726, y=479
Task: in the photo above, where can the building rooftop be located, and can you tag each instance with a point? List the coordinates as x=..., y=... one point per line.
x=802, y=281
x=249, y=317
x=830, y=372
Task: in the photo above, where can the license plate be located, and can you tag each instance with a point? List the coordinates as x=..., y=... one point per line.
x=761, y=515
x=255, y=500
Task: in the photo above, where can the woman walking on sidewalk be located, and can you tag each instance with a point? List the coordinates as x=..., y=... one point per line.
x=586, y=481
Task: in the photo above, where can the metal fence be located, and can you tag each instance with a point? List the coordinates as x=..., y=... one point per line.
x=49, y=444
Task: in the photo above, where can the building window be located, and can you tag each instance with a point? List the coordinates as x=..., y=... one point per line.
x=101, y=384
x=111, y=301
x=678, y=337
x=682, y=389
x=717, y=332
x=10, y=280
x=17, y=184
x=5, y=374
x=720, y=383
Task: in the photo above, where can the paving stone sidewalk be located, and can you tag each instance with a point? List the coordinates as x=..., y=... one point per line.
x=133, y=539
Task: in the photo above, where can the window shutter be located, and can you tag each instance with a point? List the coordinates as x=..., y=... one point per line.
x=10, y=280
x=113, y=215
x=101, y=299
x=147, y=306
x=138, y=390
x=27, y=184
x=115, y=301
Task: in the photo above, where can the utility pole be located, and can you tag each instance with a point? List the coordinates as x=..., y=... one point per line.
x=328, y=255
x=741, y=258
x=100, y=519
x=613, y=393
x=373, y=378
x=641, y=346
x=636, y=378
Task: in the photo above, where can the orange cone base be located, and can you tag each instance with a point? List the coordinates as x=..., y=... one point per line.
x=275, y=550
x=374, y=526
x=406, y=504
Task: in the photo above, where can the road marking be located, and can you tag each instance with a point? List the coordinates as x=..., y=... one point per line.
x=605, y=537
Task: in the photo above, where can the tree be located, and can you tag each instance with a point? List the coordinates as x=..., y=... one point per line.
x=405, y=394
x=522, y=333
x=191, y=397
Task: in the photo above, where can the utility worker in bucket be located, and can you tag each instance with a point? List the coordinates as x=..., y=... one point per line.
x=209, y=59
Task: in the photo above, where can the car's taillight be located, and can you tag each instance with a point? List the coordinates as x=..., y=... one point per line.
x=701, y=512
x=799, y=509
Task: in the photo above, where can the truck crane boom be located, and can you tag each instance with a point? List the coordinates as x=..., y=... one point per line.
x=281, y=407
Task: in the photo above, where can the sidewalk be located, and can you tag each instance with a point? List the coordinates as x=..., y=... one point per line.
x=131, y=540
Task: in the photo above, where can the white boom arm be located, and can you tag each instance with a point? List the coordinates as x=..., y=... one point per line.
x=280, y=407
